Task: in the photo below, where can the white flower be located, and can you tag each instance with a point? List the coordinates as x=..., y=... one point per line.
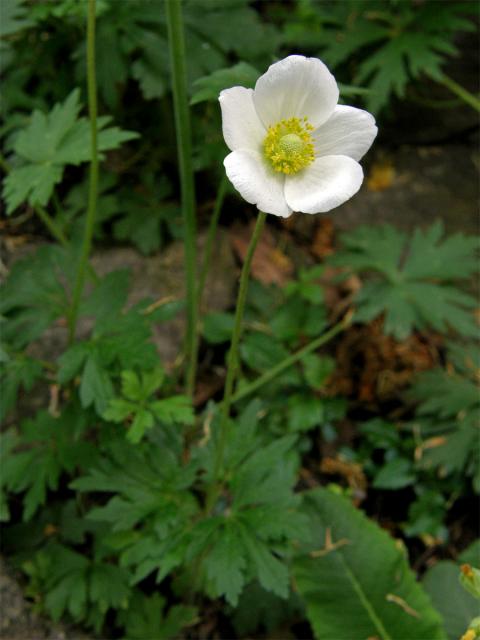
x=293, y=148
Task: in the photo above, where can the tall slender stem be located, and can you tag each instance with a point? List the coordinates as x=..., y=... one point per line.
x=272, y=373
x=184, y=150
x=460, y=91
x=212, y=231
x=232, y=359
x=93, y=181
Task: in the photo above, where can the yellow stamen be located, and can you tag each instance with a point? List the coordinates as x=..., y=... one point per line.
x=288, y=145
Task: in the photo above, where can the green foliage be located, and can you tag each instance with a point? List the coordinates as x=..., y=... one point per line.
x=355, y=581
x=109, y=496
x=73, y=584
x=150, y=483
x=138, y=406
x=16, y=371
x=449, y=405
x=386, y=44
x=31, y=305
x=209, y=87
x=456, y=606
x=260, y=609
x=120, y=340
x=145, y=618
x=416, y=290
x=14, y=17
x=48, y=451
x=50, y=142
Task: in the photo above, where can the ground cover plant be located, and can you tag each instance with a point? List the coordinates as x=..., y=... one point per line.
x=270, y=479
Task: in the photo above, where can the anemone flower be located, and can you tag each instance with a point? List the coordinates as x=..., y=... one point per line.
x=293, y=148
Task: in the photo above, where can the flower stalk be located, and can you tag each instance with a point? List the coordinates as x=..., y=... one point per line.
x=93, y=178
x=184, y=150
x=232, y=359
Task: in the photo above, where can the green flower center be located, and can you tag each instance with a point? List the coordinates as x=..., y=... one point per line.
x=288, y=145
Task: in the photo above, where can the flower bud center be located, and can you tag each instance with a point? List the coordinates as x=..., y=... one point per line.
x=288, y=145
x=291, y=143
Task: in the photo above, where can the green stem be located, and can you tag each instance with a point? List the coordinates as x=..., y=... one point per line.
x=51, y=225
x=291, y=360
x=212, y=231
x=460, y=91
x=184, y=150
x=93, y=181
x=232, y=359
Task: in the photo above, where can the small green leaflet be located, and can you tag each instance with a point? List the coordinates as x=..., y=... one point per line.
x=450, y=403
x=146, y=618
x=73, y=583
x=209, y=87
x=143, y=410
x=32, y=304
x=49, y=143
x=14, y=17
x=37, y=469
x=18, y=371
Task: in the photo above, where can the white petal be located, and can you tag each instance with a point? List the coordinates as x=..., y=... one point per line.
x=327, y=183
x=296, y=87
x=348, y=132
x=242, y=128
x=257, y=182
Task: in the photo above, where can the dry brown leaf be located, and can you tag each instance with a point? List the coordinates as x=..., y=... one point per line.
x=351, y=471
x=323, y=238
x=381, y=176
x=269, y=265
x=373, y=368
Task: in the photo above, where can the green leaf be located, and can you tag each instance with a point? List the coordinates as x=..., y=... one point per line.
x=18, y=371
x=471, y=555
x=261, y=351
x=395, y=474
x=304, y=412
x=455, y=605
x=317, y=369
x=32, y=304
x=148, y=482
x=14, y=17
x=51, y=446
x=355, y=580
x=226, y=564
x=146, y=618
x=96, y=387
x=423, y=291
x=449, y=401
x=173, y=410
x=271, y=573
x=142, y=422
x=48, y=143
x=426, y=515
x=131, y=386
x=218, y=327
x=260, y=609
x=109, y=296
x=209, y=87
